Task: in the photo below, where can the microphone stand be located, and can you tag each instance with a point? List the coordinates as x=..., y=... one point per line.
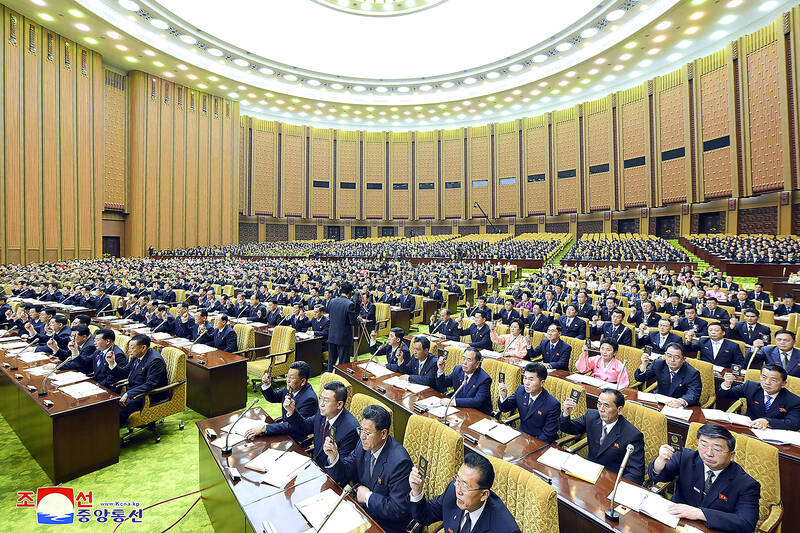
x=476, y=204
x=611, y=514
x=365, y=377
x=43, y=392
x=245, y=308
x=158, y=326
x=345, y=493
x=14, y=365
x=452, y=399
x=189, y=355
x=227, y=449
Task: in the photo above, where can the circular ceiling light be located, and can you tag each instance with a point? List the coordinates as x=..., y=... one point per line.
x=493, y=75
x=241, y=62
x=290, y=77
x=215, y=52
x=588, y=33
x=563, y=47
x=447, y=85
x=160, y=24
x=403, y=89
x=336, y=86
x=381, y=89
x=541, y=58
x=130, y=6
x=359, y=88
x=663, y=25
x=425, y=88
x=81, y=26
x=149, y=53
x=266, y=71
x=470, y=81
x=188, y=39
x=114, y=35
x=615, y=15
x=515, y=67
x=313, y=83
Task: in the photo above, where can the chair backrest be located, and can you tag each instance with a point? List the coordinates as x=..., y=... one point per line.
x=532, y=502
x=175, y=360
x=513, y=375
x=758, y=459
x=792, y=325
x=441, y=445
x=418, y=304
x=122, y=342
x=651, y=423
x=454, y=354
x=245, y=336
x=115, y=299
x=360, y=401
x=283, y=340
x=180, y=295
x=328, y=377
x=465, y=324
x=577, y=346
x=767, y=317
x=706, y=370
x=228, y=290
x=632, y=358
x=93, y=329
x=537, y=338
x=561, y=390
x=383, y=312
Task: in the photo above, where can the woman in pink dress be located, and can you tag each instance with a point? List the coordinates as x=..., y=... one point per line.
x=605, y=366
x=525, y=303
x=515, y=342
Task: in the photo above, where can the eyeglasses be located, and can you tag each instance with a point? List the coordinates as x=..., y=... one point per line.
x=460, y=485
x=364, y=433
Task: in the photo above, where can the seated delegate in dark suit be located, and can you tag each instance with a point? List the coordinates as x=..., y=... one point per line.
x=615, y=329
x=675, y=377
x=715, y=348
x=161, y=321
x=554, y=352
x=299, y=321
x=479, y=333
x=320, y=325
x=397, y=354
x=660, y=339
x=538, y=321
x=145, y=371
x=507, y=313
x=787, y=306
x=571, y=324
x=381, y=466
x=83, y=342
x=758, y=294
x=407, y=301
x=693, y=322
x=769, y=404
x=102, y=302
x=608, y=434
x=305, y=399
x=749, y=329
x=62, y=334
x=96, y=363
x=467, y=504
x=444, y=326
x=647, y=315
x=727, y=499
x=422, y=368
x=538, y=409
x=274, y=315
x=783, y=353
x=712, y=311
x=331, y=415
x=222, y=336
x=185, y=325
x=476, y=393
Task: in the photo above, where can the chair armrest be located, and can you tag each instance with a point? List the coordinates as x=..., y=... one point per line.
x=271, y=355
x=738, y=404
x=510, y=420
x=661, y=487
x=651, y=387
x=161, y=389
x=710, y=402
x=578, y=445
x=253, y=349
x=536, y=359
x=568, y=439
x=384, y=321
x=120, y=383
x=773, y=519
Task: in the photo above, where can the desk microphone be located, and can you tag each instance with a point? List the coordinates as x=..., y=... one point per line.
x=14, y=365
x=43, y=392
x=227, y=449
x=437, y=327
x=245, y=308
x=444, y=420
x=103, y=309
x=189, y=355
x=158, y=326
x=611, y=514
x=365, y=377
x=345, y=493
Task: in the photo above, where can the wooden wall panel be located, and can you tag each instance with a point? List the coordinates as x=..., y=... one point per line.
x=537, y=164
x=634, y=150
x=115, y=149
x=85, y=149
x=152, y=196
x=265, y=166
x=293, y=171
x=600, y=153
x=50, y=136
x=14, y=169
x=348, y=172
x=191, y=180
x=31, y=97
x=672, y=137
x=716, y=160
x=400, y=186
x=215, y=171
x=178, y=172
x=322, y=172
x=229, y=181
x=508, y=196
x=453, y=174
x=203, y=175
x=427, y=174
x=166, y=178
x=479, y=167
x=566, y=157
x=245, y=195
x=374, y=165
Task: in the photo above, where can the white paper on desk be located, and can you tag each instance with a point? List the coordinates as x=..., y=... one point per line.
x=80, y=390
x=554, y=458
x=68, y=378
x=104, y=318
x=256, y=324
x=39, y=370
x=645, y=502
x=732, y=418
x=345, y=519
x=430, y=403
x=219, y=442
x=161, y=336
x=282, y=471
x=503, y=433
x=243, y=425
x=483, y=426
x=415, y=388
x=34, y=357
x=778, y=436
x=438, y=412
x=491, y=354
x=376, y=368
x=179, y=342
x=14, y=345
x=675, y=412
x=304, y=336
x=653, y=397
x=742, y=420
x=718, y=368
x=262, y=461
x=143, y=331
x=202, y=348
x=593, y=381
x=457, y=344
x=9, y=339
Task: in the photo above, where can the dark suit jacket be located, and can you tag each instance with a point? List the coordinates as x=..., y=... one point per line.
x=300, y=325
x=449, y=329
x=505, y=317
x=742, y=333
x=729, y=353
x=611, y=452
x=495, y=516
x=342, y=314
x=558, y=358
x=653, y=339
x=622, y=333
x=391, y=359
x=144, y=375
x=687, y=384
x=732, y=503
x=771, y=355
x=224, y=339
x=85, y=351
x=98, y=364
x=389, y=503
x=701, y=324
x=539, y=419
x=576, y=330
x=346, y=434
x=638, y=317
x=784, y=413
x=480, y=338
x=428, y=374
x=539, y=322
x=305, y=402
x=781, y=309
x=475, y=394
x=103, y=304
x=719, y=314
x=321, y=328
x=186, y=330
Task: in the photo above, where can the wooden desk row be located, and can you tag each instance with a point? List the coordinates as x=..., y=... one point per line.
x=244, y=505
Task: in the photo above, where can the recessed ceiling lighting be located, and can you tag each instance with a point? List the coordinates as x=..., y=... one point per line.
x=158, y=64
x=562, y=83
x=233, y=95
x=121, y=47
x=515, y=67
x=202, y=86
x=149, y=53
x=45, y=16
x=542, y=84
x=130, y=6
x=183, y=67
x=290, y=77
x=563, y=47
x=615, y=15
x=215, y=52
x=131, y=59
x=630, y=45
x=766, y=6
x=469, y=81
x=659, y=38
x=241, y=62
x=625, y=57
x=191, y=76
x=169, y=74
x=733, y=3
x=618, y=68
x=686, y=43
x=381, y=89
x=75, y=13
x=727, y=19
x=653, y=51
x=188, y=39
x=586, y=81
x=114, y=35
x=81, y=26
x=663, y=25
x=589, y=33
x=697, y=15
x=160, y=24
x=541, y=58
x=593, y=71
x=492, y=75
x=691, y=30
x=90, y=40
x=644, y=63
x=266, y=71
x=39, y=2
x=599, y=60
x=609, y=77
x=314, y=83
x=359, y=88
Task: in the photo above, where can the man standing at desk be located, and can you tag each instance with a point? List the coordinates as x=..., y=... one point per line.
x=343, y=317
x=477, y=384
x=146, y=371
x=468, y=504
x=608, y=434
x=710, y=486
x=381, y=467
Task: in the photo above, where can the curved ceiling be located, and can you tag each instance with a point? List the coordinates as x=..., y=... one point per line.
x=443, y=40
x=513, y=70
